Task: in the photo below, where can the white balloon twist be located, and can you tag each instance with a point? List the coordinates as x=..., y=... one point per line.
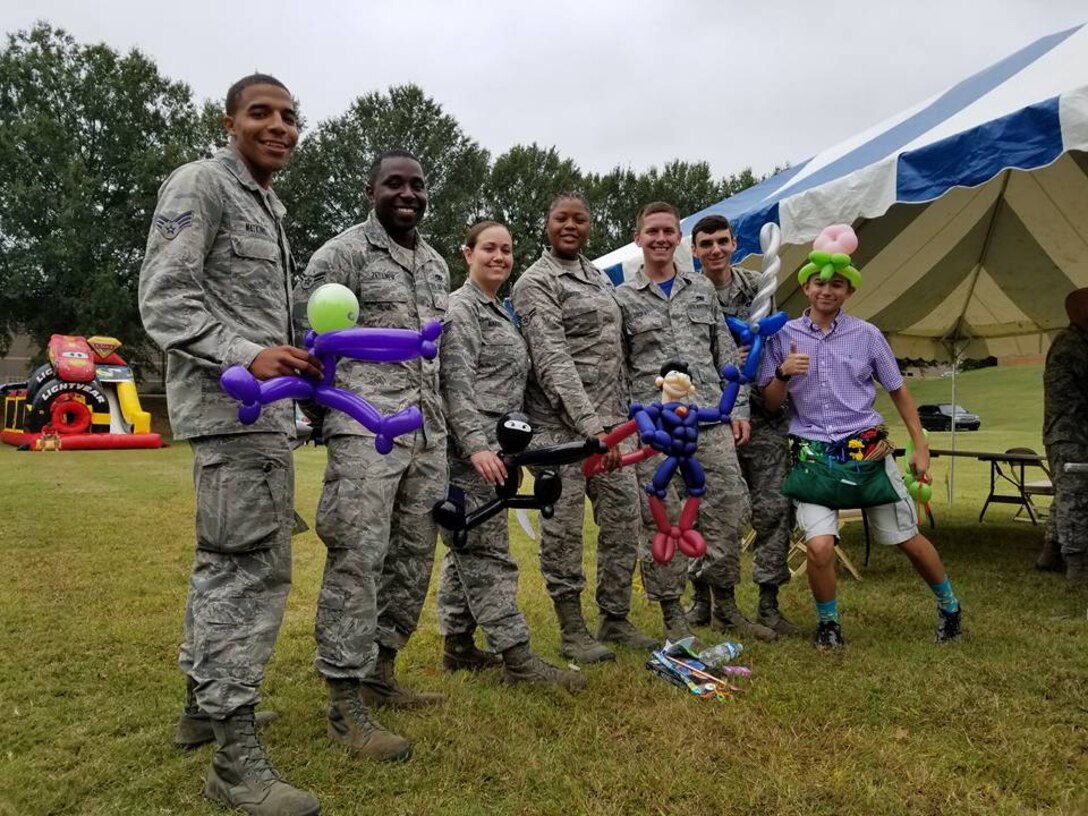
x=770, y=241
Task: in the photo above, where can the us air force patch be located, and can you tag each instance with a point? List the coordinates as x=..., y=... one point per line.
x=172, y=227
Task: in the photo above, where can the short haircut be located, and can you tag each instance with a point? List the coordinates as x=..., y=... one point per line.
x=710, y=224
x=473, y=235
x=234, y=93
x=570, y=195
x=376, y=165
x=674, y=365
x=655, y=207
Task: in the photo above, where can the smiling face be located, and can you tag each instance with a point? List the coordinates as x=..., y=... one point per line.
x=399, y=197
x=675, y=386
x=714, y=250
x=490, y=258
x=827, y=297
x=263, y=130
x=658, y=238
x=568, y=227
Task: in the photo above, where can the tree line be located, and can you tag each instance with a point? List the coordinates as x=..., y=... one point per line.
x=88, y=134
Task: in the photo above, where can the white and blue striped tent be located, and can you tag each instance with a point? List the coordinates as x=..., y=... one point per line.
x=971, y=209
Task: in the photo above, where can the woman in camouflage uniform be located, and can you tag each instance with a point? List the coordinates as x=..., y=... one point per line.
x=578, y=389
x=485, y=366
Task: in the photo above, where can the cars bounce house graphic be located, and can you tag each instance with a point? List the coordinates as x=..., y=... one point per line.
x=84, y=398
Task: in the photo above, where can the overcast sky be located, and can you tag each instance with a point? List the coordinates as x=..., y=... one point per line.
x=626, y=82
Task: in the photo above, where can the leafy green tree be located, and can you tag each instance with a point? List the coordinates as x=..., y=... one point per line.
x=87, y=135
x=324, y=186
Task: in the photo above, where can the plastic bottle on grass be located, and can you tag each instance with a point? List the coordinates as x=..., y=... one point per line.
x=721, y=654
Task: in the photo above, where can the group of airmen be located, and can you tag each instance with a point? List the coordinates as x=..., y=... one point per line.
x=218, y=288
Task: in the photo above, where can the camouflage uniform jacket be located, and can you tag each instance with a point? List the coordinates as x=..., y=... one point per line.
x=737, y=296
x=736, y=301
x=215, y=289
x=571, y=322
x=686, y=326
x=397, y=288
x=484, y=368
x=1065, y=389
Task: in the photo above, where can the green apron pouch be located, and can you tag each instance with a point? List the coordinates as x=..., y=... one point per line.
x=849, y=485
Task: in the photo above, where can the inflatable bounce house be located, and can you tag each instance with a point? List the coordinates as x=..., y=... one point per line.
x=84, y=398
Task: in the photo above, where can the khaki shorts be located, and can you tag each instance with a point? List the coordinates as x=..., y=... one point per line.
x=890, y=524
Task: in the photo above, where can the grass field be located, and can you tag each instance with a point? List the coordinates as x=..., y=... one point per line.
x=94, y=561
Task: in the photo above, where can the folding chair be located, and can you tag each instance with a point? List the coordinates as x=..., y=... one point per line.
x=797, y=546
x=1028, y=488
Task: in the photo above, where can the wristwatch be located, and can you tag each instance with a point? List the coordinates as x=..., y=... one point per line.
x=778, y=375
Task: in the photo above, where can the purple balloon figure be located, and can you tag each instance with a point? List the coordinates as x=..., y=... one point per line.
x=369, y=345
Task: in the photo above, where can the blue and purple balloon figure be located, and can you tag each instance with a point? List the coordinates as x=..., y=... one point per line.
x=333, y=310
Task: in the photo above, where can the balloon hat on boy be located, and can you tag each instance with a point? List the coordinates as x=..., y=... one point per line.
x=830, y=256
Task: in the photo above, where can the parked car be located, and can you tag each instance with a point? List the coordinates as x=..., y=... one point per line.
x=939, y=418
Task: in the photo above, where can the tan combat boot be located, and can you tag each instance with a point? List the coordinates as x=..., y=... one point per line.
x=575, y=641
x=676, y=624
x=460, y=653
x=771, y=616
x=194, y=727
x=242, y=776
x=614, y=629
x=381, y=689
x=351, y=724
x=522, y=666
x=726, y=617
x=699, y=611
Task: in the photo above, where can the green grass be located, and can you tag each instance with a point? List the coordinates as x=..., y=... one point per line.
x=94, y=560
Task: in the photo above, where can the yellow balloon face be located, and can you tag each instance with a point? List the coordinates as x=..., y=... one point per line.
x=332, y=307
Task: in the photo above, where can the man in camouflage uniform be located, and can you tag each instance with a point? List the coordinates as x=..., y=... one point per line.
x=1065, y=435
x=215, y=292
x=375, y=511
x=484, y=368
x=578, y=389
x=669, y=315
x=764, y=460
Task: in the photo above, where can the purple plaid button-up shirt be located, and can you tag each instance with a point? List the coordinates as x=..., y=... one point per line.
x=834, y=400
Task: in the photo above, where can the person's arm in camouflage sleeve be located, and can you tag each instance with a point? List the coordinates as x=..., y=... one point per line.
x=460, y=354
x=542, y=323
x=724, y=349
x=171, y=291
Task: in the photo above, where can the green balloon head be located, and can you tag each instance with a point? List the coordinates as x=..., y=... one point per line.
x=332, y=307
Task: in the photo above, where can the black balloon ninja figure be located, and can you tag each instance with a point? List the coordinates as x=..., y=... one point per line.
x=514, y=434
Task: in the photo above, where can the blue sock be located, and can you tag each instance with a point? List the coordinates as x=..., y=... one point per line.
x=828, y=610
x=946, y=598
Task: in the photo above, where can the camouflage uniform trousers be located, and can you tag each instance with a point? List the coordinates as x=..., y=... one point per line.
x=479, y=583
x=614, y=497
x=1068, y=522
x=765, y=463
x=242, y=570
x=375, y=519
x=722, y=514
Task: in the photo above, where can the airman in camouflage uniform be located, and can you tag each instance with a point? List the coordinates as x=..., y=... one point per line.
x=1065, y=435
x=484, y=368
x=375, y=510
x=215, y=292
x=764, y=458
x=578, y=389
x=676, y=317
